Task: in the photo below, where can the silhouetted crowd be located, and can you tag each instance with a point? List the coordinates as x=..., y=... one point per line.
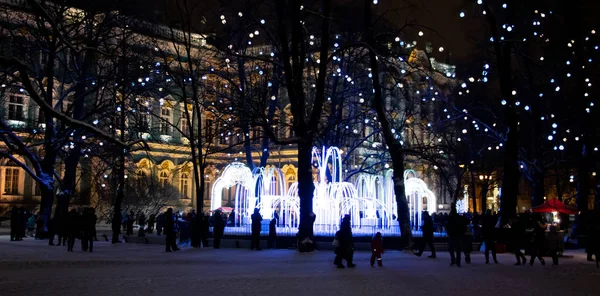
x=67, y=227
x=528, y=233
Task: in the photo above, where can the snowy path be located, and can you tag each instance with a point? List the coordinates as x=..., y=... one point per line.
x=33, y=268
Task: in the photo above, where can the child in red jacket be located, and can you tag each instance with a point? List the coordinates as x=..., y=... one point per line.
x=377, y=249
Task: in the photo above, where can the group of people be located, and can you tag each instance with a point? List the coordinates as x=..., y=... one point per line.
x=66, y=226
x=193, y=229
x=527, y=232
x=23, y=223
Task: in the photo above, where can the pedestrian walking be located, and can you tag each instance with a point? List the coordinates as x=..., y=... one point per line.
x=256, y=226
x=88, y=227
x=73, y=228
x=456, y=228
x=427, y=230
x=273, y=234
x=218, y=228
x=489, y=236
x=519, y=238
x=468, y=239
x=169, y=228
x=377, y=250
x=539, y=239
x=345, y=246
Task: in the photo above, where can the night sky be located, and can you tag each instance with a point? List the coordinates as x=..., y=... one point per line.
x=438, y=19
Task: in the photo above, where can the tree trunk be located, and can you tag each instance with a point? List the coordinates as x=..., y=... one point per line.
x=266, y=152
x=537, y=198
x=473, y=190
x=306, y=190
x=403, y=214
x=50, y=154
x=484, y=190
x=583, y=191
x=46, y=203
x=503, y=53
x=510, y=180
x=395, y=148
x=116, y=222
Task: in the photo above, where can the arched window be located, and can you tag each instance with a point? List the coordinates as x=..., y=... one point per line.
x=163, y=178
x=184, y=181
x=207, y=188
x=11, y=180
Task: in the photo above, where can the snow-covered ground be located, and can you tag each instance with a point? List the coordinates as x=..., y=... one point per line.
x=33, y=268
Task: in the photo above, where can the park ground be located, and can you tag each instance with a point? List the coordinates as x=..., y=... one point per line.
x=32, y=267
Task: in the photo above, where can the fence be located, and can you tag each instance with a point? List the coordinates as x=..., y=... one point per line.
x=330, y=230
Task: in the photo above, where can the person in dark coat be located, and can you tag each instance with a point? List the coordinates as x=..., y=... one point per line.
x=169, y=228
x=272, y=233
x=519, y=238
x=151, y=221
x=456, y=228
x=276, y=217
x=256, y=225
x=205, y=230
x=196, y=231
x=377, y=250
x=14, y=218
x=130, y=220
x=73, y=226
x=218, y=229
x=539, y=239
x=488, y=231
x=142, y=224
x=88, y=229
x=427, y=235
x=160, y=222
x=21, y=223
x=345, y=246
x=39, y=227
x=467, y=246
x=594, y=233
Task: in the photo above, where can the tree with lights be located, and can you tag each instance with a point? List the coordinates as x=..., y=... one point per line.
x=544, y=74
x=54, y=64
x=407, y=126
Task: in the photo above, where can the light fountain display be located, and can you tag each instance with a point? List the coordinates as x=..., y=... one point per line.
x=369, y=200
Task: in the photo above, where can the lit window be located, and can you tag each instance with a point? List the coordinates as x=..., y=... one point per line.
x=163, y=178
x=144, y=124
x=11, y=181
x=165, y=125
x=185, y=127
x=16, y=108
x=184, y=185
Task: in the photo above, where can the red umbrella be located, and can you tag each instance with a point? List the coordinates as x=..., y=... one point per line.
x=554, y=205
x=562, y=207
